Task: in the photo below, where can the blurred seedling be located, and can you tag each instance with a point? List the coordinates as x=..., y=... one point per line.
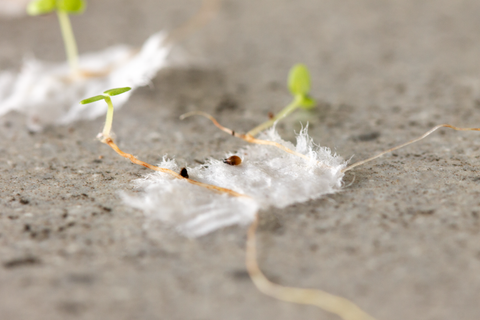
x=106, y=137
x=335, y=304
x=63, y=8
x=299, y=86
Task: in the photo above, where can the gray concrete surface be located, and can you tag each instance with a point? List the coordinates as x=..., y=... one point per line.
x=402, y=241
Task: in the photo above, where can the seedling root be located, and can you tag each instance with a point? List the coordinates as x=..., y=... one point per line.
x=342, y=307
x=133, y=159
x=429, y=132
x=247, y=137
x=328, y=302
x=106, y=138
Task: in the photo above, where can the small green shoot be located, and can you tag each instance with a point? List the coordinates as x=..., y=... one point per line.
x=63, y=9
x=38, y=7
x=106, y=96
x=117, y=91
x=299, y=86
x=107, y=139
x=92, y=99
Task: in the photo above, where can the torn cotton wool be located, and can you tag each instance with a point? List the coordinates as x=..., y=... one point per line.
x=13, y=8
x=269, y=176
x=48, y=95
x=193, y=210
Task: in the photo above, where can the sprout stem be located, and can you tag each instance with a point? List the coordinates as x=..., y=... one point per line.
x=295, y=104
x=109, y=119
x=69, y=41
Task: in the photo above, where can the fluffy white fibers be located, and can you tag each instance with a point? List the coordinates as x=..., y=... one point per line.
x=47, y=94
x=13, y=8
x=193, y=210
x=269, y=176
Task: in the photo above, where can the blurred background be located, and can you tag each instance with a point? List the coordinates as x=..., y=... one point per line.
x=402, y=241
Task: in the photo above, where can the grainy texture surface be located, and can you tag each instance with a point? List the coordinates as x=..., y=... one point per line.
x=402, y=241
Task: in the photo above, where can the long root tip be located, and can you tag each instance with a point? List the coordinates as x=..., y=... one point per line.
x=195, y=113
x=186, y=115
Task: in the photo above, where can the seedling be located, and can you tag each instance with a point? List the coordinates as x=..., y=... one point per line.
x=335, y=304
x=68, y=82
x=106, y=96
x=249, y=138
x=324, y=300
x=63, y=9
x=338, y=305
x=106, y=138
x=299, y=86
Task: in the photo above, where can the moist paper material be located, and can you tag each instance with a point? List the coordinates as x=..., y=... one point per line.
x=269, y=176
x=46, y=94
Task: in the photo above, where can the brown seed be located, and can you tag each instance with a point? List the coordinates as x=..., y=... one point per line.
x=233, y=161
x=271, y=115
x=184, y=173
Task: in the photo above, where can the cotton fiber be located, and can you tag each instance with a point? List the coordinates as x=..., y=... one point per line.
x=270, y=177
x=48, y=95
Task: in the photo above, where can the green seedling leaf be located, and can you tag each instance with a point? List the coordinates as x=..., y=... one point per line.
x=37, y=7
x=93, y=99
x=299, y=80
x=71, y=6
x=307, y=102
x=117, y=91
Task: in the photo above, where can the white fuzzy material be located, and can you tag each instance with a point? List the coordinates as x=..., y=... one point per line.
x=270, y=176
x=46, y=94
x=13, y=8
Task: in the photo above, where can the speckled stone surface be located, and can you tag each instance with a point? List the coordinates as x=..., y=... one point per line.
x=402, y=241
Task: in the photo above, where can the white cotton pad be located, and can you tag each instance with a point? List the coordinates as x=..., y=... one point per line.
x=269, y=176
x=45, y=93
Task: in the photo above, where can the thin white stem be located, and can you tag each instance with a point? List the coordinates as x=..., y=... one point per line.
x=109, y=119
x=69, y=40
